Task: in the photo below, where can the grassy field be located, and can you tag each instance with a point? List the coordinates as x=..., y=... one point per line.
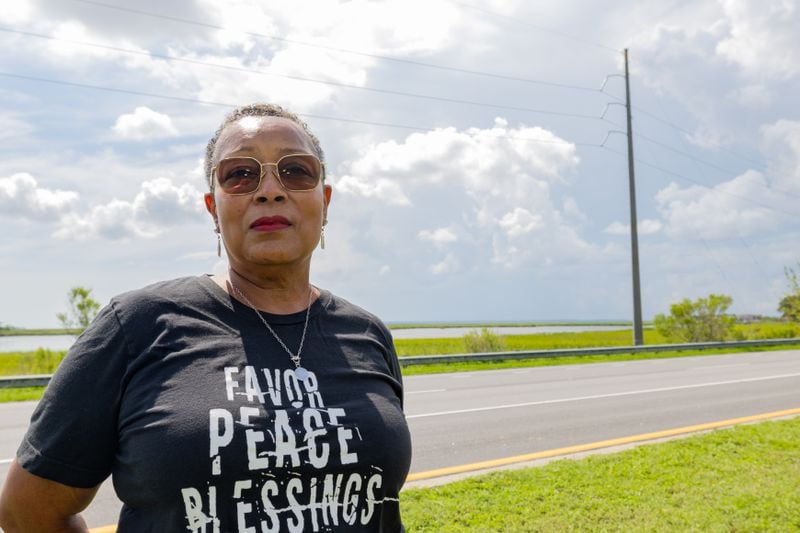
x=44, y=361
x=22, y=394
x=554, y=341
x=10, y=332
x=537, y=341
x=412, y=325
x=739, y=479
x=26, y=363
x=569, y=360
x=40, y=361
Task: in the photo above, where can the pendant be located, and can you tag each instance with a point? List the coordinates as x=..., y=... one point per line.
x=301, y=373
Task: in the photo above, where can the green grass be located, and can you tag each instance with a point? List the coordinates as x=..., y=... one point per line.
x=439, y=368
x=740, y=479
x=412, y=325
x=40, y=361
x=584, y=339
x=10, y=332
x=22, y=394
x=534, y=341
x=589, y=339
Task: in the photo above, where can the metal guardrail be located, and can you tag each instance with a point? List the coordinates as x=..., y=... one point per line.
x=540, y=354
x=15, y=382
x=42, y=380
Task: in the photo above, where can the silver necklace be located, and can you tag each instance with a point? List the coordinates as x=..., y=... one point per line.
x=300, y=372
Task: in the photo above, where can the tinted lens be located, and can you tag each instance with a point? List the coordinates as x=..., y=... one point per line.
x=238, y=175
x=299, y=172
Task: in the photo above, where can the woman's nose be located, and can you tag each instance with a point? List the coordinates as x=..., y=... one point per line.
x=270, y=187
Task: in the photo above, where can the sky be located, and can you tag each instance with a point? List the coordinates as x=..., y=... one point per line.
x=477, y=151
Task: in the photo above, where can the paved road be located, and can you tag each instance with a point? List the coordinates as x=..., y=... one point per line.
x=475, y=416
x=468, y=417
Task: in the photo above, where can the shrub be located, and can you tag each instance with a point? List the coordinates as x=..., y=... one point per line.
x=780, y=333
x=701, y=320
x=487, y=340
x=789, y=305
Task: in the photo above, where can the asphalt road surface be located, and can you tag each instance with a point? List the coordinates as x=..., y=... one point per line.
x=467, y=417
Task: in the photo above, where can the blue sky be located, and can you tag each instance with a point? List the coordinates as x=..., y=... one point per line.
x=476, y=154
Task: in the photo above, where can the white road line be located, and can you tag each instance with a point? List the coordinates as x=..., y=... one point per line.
x=425, y=391
x=598, y=396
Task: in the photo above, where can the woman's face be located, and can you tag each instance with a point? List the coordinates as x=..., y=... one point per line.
x=271, y=226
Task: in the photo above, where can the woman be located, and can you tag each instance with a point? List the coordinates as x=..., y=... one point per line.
x=248, y=402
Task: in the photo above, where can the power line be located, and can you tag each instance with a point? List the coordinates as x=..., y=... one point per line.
x=685, y=178
x=687, y=132
x=341, y=50
x=718, y=266
x=696, y=160
x=540, y=28
x=301, y=78
x=670, y=124
x=709, y=164
x=234, y=105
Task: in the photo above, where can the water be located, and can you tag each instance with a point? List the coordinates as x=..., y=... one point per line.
x=451, y=333
x=28, y=343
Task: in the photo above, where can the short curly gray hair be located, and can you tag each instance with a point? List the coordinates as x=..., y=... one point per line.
x=257, y=110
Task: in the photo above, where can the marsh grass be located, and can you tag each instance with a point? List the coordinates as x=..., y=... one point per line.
x=484, y=341
x=40, y=361
x=535, y=341
x=21, y=394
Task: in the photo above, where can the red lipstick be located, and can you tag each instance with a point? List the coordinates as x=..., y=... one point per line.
x=270, y=223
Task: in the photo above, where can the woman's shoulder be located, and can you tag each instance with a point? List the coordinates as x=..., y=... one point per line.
x=183, y=291
x=344, y=309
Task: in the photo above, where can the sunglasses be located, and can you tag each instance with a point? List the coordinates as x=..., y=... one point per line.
x=242, y=175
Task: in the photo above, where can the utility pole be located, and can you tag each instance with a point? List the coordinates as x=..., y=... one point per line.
x=638, y=336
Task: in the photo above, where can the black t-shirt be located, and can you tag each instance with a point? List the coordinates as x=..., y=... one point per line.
x=183, y=396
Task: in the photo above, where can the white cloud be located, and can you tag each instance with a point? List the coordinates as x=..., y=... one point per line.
x=159, y=204
x=520, y=221
x=750, y=203
x=13, y=128
x=486, y=193
x=759, y=31
x=16, y=12
x=755, y=96
x=144, y=124
x=573, y=210
x=378, y=188
x=21, y=196
x=448, y=265
x=781, y=143
x=741, y=206
x=647, y=226
x=438, y=236
x=261, y=69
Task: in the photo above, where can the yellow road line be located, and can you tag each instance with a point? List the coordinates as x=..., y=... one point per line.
x=482, y=465
x=568, y=450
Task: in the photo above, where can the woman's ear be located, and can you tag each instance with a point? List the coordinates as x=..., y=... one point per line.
x=326, y=191
x=211, y=205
